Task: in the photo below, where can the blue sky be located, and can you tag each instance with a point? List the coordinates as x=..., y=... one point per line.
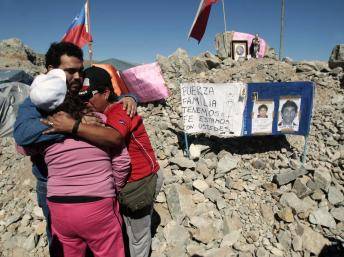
x=138, y=30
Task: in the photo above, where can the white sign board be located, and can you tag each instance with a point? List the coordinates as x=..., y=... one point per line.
x=215, y=109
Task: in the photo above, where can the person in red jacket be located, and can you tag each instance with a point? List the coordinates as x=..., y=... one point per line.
x=97, y=90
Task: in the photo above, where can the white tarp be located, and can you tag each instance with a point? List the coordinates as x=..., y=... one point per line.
x=214, y=109
x=12, y=93
x=13, y=90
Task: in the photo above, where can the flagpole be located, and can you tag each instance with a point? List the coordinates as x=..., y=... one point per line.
x=282, y=30
x=90, y=46
x=224, y=21
x=224, y=15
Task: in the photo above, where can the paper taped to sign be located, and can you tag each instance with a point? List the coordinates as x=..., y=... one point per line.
x=146, y=82
x=215, y=109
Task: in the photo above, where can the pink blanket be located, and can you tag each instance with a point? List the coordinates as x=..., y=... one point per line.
x=146, y=81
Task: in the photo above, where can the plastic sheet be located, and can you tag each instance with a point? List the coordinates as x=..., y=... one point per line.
x=14, y=88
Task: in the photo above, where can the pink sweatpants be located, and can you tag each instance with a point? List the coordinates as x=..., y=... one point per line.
x=78, y=225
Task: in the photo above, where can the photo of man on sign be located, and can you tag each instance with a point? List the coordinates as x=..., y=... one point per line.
x=289, y=114
x=262, y=111
x=262, y=116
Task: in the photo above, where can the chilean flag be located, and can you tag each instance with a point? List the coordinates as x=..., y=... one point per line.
x=78, y=32
x=200, y=22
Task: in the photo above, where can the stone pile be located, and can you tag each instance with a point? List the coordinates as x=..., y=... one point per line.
x=22, y=224
x=233, y=197
x=15, y=55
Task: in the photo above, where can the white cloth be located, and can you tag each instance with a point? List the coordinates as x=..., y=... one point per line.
x=48, y=91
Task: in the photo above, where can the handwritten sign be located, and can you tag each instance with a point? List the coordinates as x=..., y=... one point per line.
x=146, y=82
x=215, y=109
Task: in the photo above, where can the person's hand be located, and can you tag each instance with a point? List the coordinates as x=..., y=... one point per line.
x=129, y=105
x=60, y=122
x=92, y=119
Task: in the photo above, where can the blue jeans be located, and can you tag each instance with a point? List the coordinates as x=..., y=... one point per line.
x=41, y=189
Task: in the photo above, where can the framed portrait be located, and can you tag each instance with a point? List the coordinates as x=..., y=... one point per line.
x=239, y=49
x=289, y=114
x=262, y=116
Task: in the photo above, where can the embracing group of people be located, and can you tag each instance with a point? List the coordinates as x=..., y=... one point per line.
x=92, y=158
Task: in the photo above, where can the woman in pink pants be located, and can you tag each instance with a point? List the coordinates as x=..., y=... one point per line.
x=83, y=182
x=82, y=198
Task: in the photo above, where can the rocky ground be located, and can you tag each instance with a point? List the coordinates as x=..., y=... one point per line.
x=243, y=197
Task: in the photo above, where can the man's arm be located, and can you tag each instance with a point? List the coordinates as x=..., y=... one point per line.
x=135, y=97
x=103, y=136
x=28, y=128
x=62, y=122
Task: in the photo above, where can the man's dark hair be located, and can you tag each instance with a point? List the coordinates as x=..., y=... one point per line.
x=56, y=50
x=263, y=106
x=289, y=103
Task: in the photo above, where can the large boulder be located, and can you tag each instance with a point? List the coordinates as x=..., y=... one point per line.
x=311, y=66
x=337, y=57
x=205, y=62
x=14, y=48
x=271, y=53
x=178, y=63
x=179, y=201
x=15, y=55
x=223, y=44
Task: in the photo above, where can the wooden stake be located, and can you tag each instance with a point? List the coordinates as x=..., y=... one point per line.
x=224, y=21
x=282, y=30
x=224, y=14
x=90, y=46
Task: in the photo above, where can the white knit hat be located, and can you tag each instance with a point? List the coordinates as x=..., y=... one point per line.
x=48, y=91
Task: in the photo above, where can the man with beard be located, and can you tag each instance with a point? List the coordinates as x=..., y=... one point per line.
x=28, y=128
